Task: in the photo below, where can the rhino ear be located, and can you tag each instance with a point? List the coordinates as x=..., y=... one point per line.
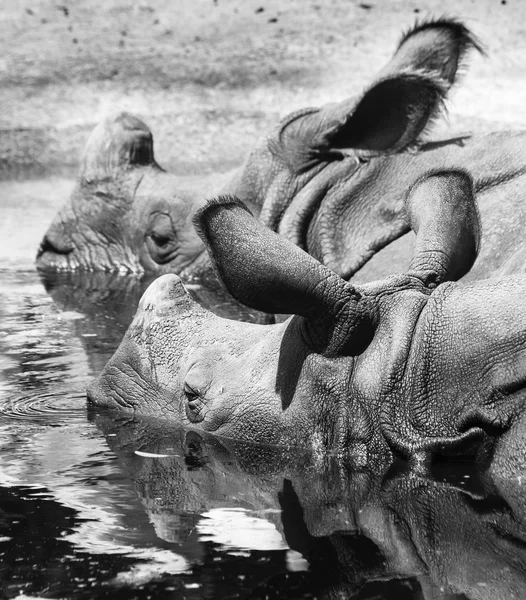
x=117, y=142
x=390, y=116
x=394, y=110
x=435, y=49
x=442, y=212
x=263, y=270
x=409, y=91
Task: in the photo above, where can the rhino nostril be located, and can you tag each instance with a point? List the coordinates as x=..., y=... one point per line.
x=48, y=246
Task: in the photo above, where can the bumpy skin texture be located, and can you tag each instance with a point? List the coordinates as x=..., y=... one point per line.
x=414, y=366
x=331, y=179
x=498, y=179
x=354, y=523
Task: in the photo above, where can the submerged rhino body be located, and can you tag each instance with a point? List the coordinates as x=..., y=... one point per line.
x=414, y=365
x=331, y=180
x=457, y=536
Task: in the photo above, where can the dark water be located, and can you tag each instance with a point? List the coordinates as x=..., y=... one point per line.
x=95, y=505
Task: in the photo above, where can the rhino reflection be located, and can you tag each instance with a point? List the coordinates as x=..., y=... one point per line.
x=353, y=526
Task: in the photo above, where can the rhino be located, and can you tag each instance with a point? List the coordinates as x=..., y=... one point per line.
x=417, y=365
x=330, y=179
x=105, y=304
x=451, y=532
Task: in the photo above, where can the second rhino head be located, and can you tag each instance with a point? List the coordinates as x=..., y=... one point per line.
x=127, y=214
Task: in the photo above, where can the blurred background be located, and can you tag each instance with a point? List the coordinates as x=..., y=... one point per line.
x=210, y=76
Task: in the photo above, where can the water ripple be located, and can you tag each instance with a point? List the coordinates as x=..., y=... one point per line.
x=46, y=408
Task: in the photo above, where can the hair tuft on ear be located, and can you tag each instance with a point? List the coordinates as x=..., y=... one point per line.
x=200, y=218
x=466, y=39
x=460, y=35
x=436, y=96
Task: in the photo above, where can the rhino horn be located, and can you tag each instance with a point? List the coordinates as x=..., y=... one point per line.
x=117, y=142
x=442, y=212
x=265, y=271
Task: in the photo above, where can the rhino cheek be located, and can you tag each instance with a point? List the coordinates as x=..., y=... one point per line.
x=249, y=418
x=228, y=407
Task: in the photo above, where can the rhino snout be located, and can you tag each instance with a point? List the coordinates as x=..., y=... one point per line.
x=119, y=384
x=100, y=396
x=54, y=246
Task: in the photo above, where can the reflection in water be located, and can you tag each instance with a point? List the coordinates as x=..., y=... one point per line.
x=147, y=511
x=114, y=297
x=450, y=532
x=65, y=505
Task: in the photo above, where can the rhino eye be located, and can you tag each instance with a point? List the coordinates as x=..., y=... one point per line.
x=194, y=403
x=160, y=240
x=191, y=392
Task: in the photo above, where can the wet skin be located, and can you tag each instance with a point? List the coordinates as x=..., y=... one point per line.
x=416, y=365
x=454, y=530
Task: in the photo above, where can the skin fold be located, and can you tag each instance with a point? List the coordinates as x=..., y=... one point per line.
x=455, y=531
x=418, y=365
x=332, y=179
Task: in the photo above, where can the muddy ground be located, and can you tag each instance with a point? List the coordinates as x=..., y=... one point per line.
x=209, y=76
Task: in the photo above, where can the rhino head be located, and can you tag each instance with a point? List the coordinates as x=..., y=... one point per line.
x=414, y=364
x=127, y=214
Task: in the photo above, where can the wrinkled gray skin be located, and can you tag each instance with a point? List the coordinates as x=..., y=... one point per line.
x=412, y=366
x=330, y=179
x=108, y=301
x=353, y=524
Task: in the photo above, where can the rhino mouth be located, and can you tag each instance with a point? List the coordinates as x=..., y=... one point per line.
x=51, y=255
x=47, y=246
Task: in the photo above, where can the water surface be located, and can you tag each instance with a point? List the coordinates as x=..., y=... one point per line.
x=94, y=505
